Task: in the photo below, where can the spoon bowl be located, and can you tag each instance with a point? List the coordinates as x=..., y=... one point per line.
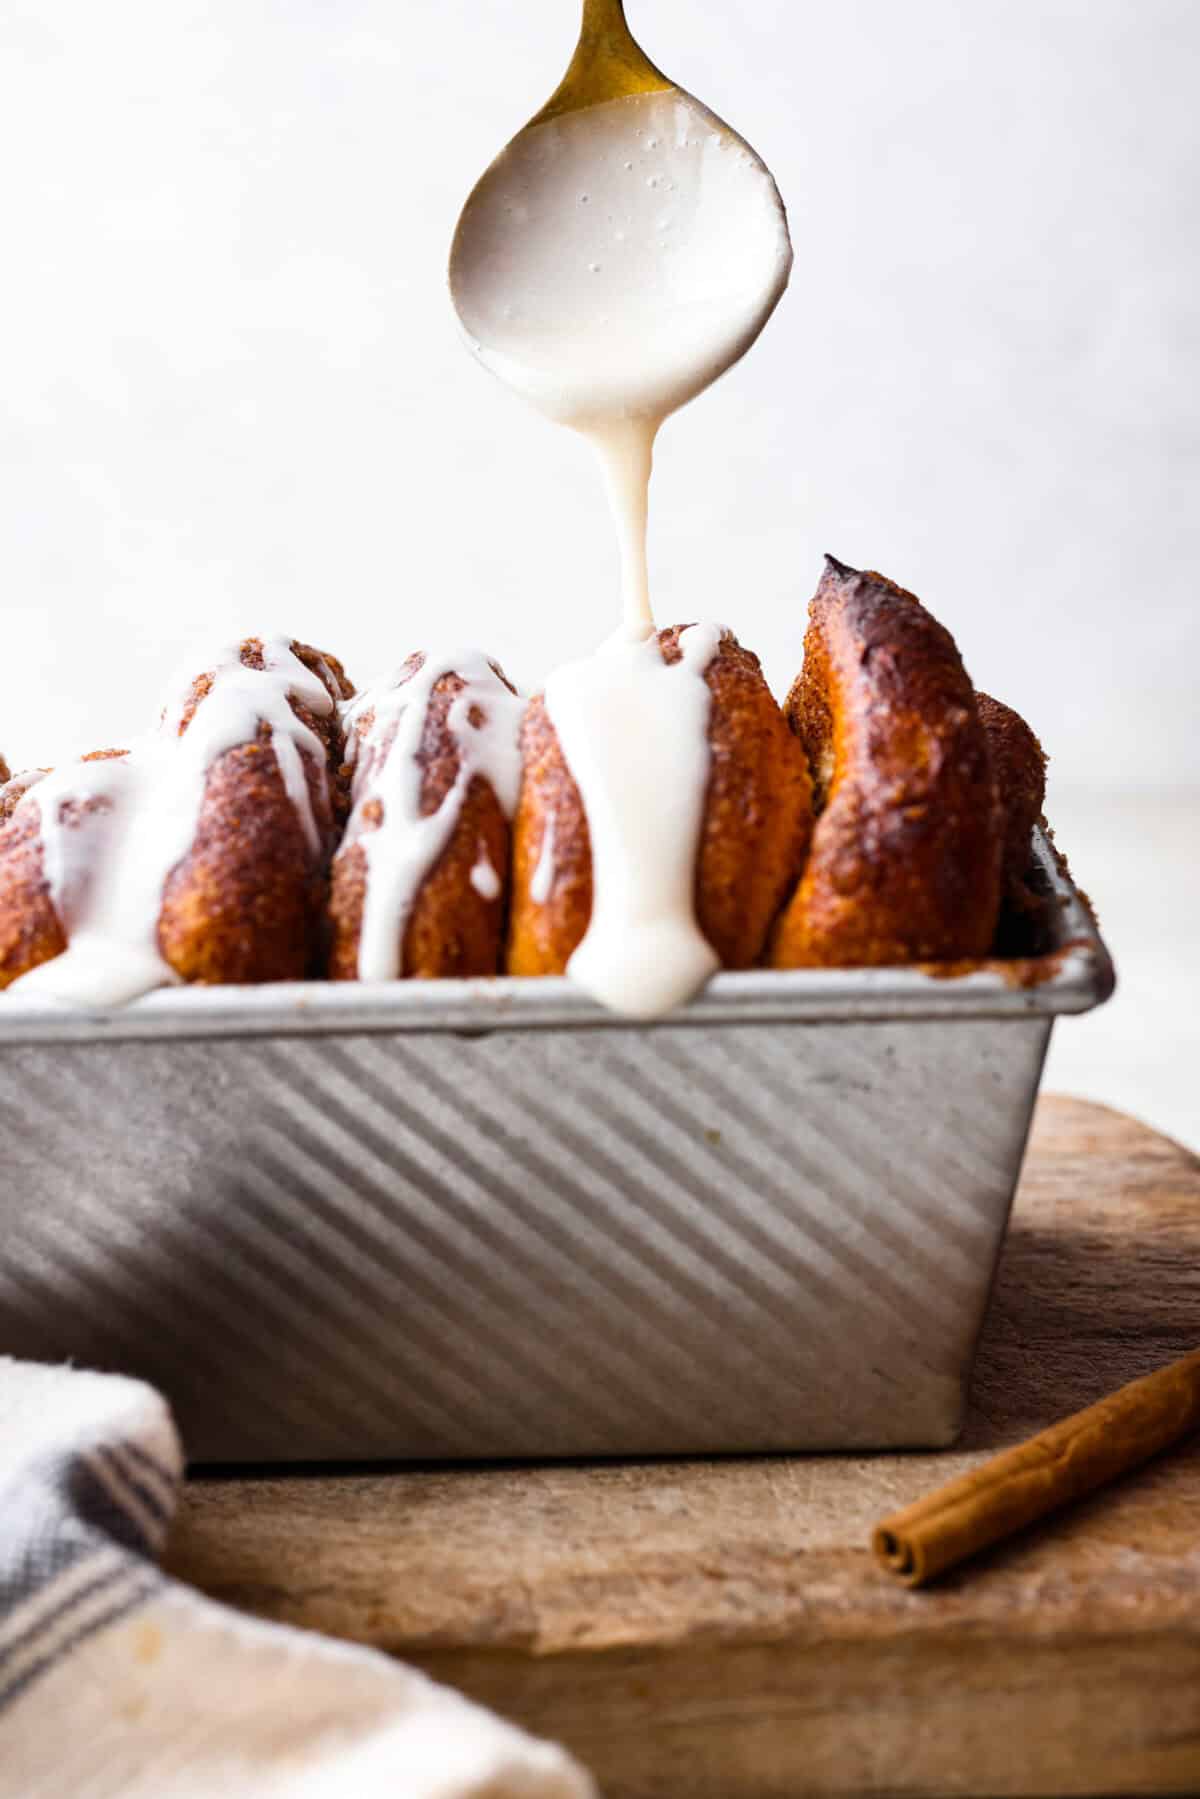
x=623, y=251
x=625, y=248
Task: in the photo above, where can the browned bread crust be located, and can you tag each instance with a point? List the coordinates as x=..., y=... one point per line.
x=245, y=903
x=542, y=937
x=905, y=859
x=30, y=932
x=452, y=930
x=30, y=929
x=1019, y=765
x=753, y=838
x=14, y=789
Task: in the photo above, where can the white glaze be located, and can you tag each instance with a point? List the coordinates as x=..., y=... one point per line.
x=634, y=732
x=403, y=848
x=21, y=782
x=609, y=266
x=484, y=878
x=543, y=875
x=113, y=831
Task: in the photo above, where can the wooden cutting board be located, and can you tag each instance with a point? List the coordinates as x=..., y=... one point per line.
x=717, y=1628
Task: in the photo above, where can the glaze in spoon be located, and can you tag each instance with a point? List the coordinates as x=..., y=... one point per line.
x=623, y=251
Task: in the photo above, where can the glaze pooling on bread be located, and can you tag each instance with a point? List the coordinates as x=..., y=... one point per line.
x=633, y=728
x=199, y=853
x=663, y=814
x=615, y=771
x=419, y=883
x=905, y=858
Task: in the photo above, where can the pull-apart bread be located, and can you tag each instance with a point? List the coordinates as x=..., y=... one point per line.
x=754, y=828
x=201, y=853
x=1019, y=765
x=274, y=825
x=906, y=854
x=420, y=883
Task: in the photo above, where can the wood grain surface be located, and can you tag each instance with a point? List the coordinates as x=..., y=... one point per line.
x=718, y=1628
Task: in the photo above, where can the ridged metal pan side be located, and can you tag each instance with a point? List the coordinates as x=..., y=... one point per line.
x=529, y=1243
x=1073, y=975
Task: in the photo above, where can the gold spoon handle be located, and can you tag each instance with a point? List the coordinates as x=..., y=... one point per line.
x=608, y=64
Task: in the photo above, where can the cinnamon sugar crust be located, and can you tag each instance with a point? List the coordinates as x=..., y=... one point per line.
x=1019, y=765
x=881, y=822
x=452, y=930
x=906, y=852
x=245, y=903
x=753, y=837
x=542, y=937
x=31, y=931
x=14, y=789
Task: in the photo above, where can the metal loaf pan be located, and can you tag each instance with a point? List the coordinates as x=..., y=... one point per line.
x=460, y=1220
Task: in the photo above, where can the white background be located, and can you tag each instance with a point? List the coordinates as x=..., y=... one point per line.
x=233, y=395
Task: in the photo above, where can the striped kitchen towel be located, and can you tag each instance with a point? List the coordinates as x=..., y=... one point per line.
x=115, y=1680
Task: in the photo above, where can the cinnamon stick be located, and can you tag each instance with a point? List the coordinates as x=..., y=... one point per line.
x=1057, y=1466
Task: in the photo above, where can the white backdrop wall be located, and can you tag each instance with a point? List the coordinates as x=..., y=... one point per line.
x=233, y=395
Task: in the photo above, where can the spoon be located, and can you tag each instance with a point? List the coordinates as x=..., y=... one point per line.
x=622, y=252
